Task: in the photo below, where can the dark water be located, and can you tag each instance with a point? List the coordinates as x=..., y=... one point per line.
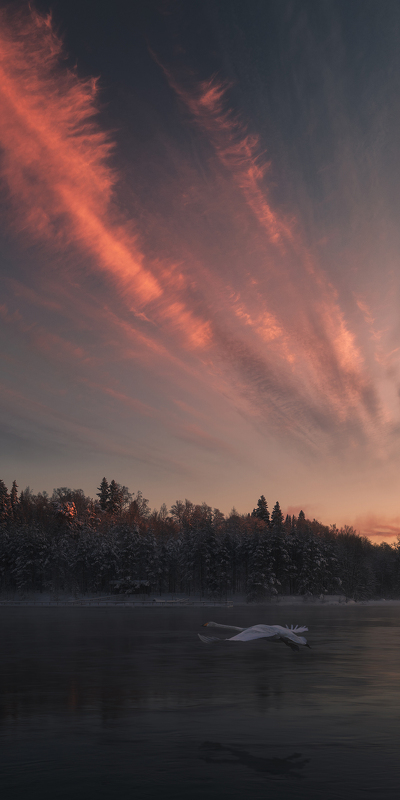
x=123, y=703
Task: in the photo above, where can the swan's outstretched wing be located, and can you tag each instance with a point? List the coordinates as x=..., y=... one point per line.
x=256, y=632
x=271, y=632
x=219, y=625
x=274, y=633
x=291, y=634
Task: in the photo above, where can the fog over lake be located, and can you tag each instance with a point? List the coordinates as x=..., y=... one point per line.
x=122, y=702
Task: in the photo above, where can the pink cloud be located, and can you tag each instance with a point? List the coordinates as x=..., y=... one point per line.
x=378, y=528
x=55, y=165
x=317, y=339
x=272, y=340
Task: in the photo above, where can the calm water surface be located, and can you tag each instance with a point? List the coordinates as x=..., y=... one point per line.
x=128, y=703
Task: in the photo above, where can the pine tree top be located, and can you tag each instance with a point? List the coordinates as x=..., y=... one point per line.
x=277, y=516
x=261, y=512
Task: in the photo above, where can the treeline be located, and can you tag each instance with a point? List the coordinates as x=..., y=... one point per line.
x=115, y=543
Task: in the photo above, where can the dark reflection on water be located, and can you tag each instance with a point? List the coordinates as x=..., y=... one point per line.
x=277, y=767
x=118, y=702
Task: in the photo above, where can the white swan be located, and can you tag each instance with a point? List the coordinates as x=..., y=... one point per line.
x=273, y=633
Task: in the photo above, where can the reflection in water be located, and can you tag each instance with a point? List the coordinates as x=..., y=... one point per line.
x=278, y=767
x=100, y=703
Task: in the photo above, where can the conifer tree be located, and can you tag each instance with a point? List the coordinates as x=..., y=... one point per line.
x=103, y=494
x=261, y=577
x=174, y=564
x=115, y=498
x=301, y=522
x=280, y=549
x=4, y=500
x=277, y=518
x=261, y=512
x=14, y=495
x=194, y=550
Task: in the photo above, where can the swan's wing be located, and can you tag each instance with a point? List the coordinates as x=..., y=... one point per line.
x=297, y=628
x=291, y=635
x=209, y=639
x=256, y=632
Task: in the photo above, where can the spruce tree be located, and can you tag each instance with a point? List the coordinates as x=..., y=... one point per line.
x=277, y=518
x=301, y=522
x=261, y=512
x=115, y=498
x=4, y=500
x=103, y=494
x=261, y=577
x=14, y=494
x=280, y=549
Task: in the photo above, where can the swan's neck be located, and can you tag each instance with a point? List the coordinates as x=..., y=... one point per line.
x=227, y=627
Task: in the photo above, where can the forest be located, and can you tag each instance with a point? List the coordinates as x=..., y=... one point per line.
x=115, y=543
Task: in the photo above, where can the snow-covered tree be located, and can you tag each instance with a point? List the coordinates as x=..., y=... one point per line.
x=64, y=543
x=355, y=557
x=261, y=581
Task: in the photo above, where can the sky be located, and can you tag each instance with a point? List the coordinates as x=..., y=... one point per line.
x=199, y=252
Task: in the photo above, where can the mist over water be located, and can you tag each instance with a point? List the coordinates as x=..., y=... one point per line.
x=104, y=702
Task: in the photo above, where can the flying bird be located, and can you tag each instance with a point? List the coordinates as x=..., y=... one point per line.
x=272, y=633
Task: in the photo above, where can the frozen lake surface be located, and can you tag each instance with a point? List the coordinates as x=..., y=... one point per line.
x=125, y=703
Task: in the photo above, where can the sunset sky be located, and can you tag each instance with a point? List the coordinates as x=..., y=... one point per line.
x=200, y=239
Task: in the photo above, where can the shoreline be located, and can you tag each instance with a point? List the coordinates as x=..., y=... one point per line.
x=66, y=601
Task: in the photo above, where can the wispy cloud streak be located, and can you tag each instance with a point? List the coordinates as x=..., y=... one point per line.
x=378, y=528
x=315, y=339
x=275, y=334
x=238, y=150
x=54, y=160
x=55, y=165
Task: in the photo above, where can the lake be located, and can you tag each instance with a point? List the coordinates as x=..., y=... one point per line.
x=128, y=703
